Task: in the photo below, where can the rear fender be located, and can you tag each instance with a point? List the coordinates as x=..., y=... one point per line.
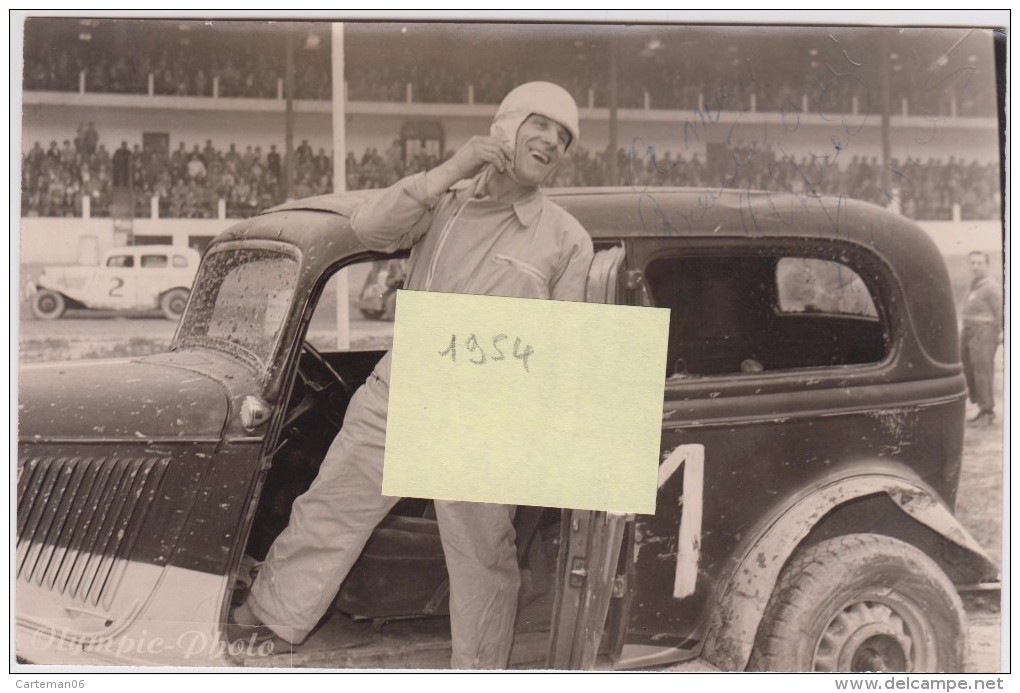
x=164, y=292
x=747, y=587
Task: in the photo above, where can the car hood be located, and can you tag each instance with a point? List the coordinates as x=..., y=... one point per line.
x=118, y=399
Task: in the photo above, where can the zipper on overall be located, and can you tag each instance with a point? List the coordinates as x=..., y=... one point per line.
x=439, y=246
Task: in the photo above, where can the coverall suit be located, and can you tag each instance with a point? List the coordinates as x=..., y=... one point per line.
x=462, y=242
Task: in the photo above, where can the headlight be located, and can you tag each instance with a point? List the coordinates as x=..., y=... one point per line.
x=254, y=412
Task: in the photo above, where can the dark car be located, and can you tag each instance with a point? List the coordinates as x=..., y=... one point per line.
x=378, y=299
x=812, y=431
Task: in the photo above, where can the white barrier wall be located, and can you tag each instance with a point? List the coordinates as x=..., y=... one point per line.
x=65, y=241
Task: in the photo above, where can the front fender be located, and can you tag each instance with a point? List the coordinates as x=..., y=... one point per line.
x=69, y=288
x=744, y=593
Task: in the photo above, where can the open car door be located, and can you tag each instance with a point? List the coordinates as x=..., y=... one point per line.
x=588, y=575
x=587, y=581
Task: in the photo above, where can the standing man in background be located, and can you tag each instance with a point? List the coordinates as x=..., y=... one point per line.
x=122, y=166
x=982, y=334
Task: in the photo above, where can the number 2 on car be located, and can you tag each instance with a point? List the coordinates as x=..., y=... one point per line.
x=477, y=355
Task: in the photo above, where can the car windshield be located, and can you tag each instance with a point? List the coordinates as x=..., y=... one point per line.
x=240, y=304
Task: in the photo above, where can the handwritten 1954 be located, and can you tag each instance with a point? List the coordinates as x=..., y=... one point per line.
x=477, y=355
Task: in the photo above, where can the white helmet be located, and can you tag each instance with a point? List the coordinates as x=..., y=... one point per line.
x=541, y=98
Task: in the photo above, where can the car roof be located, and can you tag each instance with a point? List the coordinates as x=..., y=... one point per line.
x=633, y=212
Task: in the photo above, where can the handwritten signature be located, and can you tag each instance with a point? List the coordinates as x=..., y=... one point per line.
x=752, y=166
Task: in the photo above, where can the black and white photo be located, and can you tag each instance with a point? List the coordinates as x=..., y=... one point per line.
x=217, y=218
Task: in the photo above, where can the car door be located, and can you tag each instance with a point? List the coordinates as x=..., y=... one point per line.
x=588, y=574
x=154, y=275
x=113, y=286
x=765, y=390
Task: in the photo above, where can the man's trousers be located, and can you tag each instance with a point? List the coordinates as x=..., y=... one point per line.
x=978, y=345
x=330, y=524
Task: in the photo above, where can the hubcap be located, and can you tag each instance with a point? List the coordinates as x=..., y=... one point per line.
x=879, y=653
x=873, y=636
x=47, y=304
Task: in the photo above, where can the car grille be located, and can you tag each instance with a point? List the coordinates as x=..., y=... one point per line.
x=79, y=517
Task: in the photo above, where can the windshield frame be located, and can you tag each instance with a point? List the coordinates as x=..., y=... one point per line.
x=239, y=352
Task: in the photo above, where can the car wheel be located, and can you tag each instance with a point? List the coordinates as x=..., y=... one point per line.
x=48, y=305
x=371, y=314
x=173, y=303
x=862, y=602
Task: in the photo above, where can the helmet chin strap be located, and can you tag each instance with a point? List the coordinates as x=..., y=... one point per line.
x=491, y=171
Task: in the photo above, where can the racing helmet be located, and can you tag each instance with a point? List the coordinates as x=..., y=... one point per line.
x=541, y=98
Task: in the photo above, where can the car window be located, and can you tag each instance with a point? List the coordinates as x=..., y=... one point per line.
x=120, y=261
x=811, y=285
x=371, y=298
x=754, y=313
x=241, y=303
x=180, y=261
x=154, y=261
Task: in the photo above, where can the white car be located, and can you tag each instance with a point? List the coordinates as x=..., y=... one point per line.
x=144, y=277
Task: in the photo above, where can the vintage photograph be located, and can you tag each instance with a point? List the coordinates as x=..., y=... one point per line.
x=217, y=217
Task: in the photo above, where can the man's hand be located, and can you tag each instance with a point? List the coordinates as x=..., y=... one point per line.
x=469, y=159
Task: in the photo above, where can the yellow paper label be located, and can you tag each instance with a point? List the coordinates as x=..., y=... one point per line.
x=526, y=402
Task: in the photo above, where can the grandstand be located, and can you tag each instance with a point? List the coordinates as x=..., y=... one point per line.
x=129, y=124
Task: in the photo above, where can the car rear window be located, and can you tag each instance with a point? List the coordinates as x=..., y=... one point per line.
x=812, y=285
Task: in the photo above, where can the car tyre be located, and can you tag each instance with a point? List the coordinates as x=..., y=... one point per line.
x=172, y=303
x=48, y=305
x=862, y=602
x=371, y=314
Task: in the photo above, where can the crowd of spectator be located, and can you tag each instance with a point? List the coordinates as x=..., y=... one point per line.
x=190, y=183
x=252, y=71
x=375, y=170
x=54, y=179
x=185, y=183
x=919, y=190
x=176, y=70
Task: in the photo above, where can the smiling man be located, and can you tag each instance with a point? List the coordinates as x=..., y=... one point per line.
x=476, y=224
